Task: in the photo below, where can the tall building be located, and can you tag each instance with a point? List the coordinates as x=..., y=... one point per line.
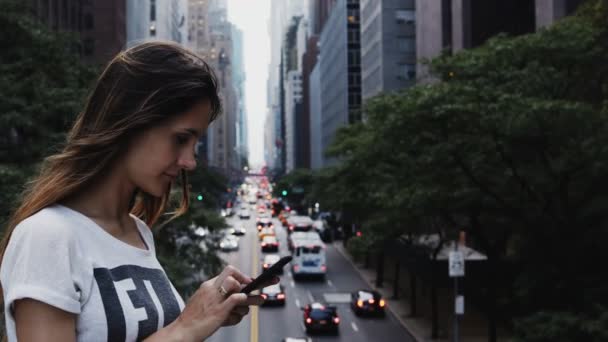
x=156, y=20
x=454, y=25
x=316, y=136
x=238, y=80
x=388, y=46
x=210, y=35
x=99, y=24
x=340, y=71
x=282, y=12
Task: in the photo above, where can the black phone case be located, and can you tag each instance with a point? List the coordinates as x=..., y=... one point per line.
x=266, y=275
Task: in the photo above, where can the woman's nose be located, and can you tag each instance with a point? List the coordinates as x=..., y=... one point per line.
x=188, y=162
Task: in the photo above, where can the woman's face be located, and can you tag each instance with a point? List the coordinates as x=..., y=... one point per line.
x=156, y=157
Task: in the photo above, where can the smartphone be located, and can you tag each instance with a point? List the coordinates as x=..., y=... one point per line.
x=267, y=275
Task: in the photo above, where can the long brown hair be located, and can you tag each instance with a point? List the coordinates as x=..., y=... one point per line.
x=140, y=88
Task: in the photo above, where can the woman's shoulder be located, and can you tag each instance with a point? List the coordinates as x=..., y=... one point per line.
x=51, y=221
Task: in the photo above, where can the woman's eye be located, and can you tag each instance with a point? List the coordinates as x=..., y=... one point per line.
x=181, y=140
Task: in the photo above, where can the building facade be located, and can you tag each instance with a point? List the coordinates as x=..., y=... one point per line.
x=454, y=25
x=210, y=35
x=388, y=46
x=157, y=20
x=340, y=71
x=316, y=133
x=100, y=25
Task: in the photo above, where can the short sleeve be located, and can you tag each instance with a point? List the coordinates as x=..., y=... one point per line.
x=39, y=263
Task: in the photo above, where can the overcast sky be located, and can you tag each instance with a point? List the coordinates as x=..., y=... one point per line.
x=252, y=18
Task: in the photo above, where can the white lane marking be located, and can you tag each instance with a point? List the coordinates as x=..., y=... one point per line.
x=330, y=283
x=310, y=297
x=352, y=324
x=292, y=283
x=297, y=302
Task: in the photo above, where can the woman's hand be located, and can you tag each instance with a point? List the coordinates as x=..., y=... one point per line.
x=218, y=302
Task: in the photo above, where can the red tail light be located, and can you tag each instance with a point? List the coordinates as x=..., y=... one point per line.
x=296, y=268
x=360, y=303
x=265, y=266
x=382, y=303
x=291, y=227
x=281, y=296
x=264, y=296
x=323, y=268
x=308, y=320
x=263, y=244
x=337, y=320
x=371, y=301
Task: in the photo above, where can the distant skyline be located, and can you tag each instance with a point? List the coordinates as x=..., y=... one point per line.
x=252, y=18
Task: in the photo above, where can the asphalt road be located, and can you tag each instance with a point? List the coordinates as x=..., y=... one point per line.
x=270, y=324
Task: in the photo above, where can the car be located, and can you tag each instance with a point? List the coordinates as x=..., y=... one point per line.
x=296, y=339
x=319, y=317
x=266, y=232
x=273, y=295
x=270, y=260
x=270, y=244
x=239, y=231
x=244, y=214
x=263, y=222
x=229, y=243
x=299, y=223
x=368, y=302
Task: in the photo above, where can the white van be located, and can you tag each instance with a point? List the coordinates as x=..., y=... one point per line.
x=308, y=258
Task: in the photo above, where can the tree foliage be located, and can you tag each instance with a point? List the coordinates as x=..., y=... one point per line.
x=509, y=144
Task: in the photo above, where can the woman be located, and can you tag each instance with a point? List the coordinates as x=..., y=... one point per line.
x=78, y=258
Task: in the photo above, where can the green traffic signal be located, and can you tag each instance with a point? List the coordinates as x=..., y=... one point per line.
x=199, y=197
x=284, y=192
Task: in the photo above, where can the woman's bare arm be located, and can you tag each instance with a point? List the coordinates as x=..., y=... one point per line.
x=37, y=321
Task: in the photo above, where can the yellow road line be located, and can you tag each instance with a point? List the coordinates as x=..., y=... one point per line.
x=254, y=273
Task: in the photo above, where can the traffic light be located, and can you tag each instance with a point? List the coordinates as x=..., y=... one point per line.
x=199, y=197
x=284, y=192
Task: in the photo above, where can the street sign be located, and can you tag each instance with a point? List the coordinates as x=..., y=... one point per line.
x=456, y=264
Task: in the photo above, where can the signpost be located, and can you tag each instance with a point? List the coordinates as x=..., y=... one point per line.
x=456, y=270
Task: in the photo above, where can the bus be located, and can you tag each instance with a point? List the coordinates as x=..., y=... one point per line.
x=308, y=258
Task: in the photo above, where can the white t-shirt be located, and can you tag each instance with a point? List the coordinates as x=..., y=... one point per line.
x=62, y=258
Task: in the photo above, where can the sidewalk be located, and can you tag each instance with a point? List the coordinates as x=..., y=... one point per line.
x=419, y=328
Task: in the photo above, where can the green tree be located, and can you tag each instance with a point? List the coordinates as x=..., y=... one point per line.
x=42, y=88
x=509, y=144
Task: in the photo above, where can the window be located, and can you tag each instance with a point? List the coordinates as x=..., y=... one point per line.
x=406, y=71
x=88, y=21
x=405, y=16
x=152, y=10
x=406, y=44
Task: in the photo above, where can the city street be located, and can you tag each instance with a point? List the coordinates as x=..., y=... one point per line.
x=275, y=323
